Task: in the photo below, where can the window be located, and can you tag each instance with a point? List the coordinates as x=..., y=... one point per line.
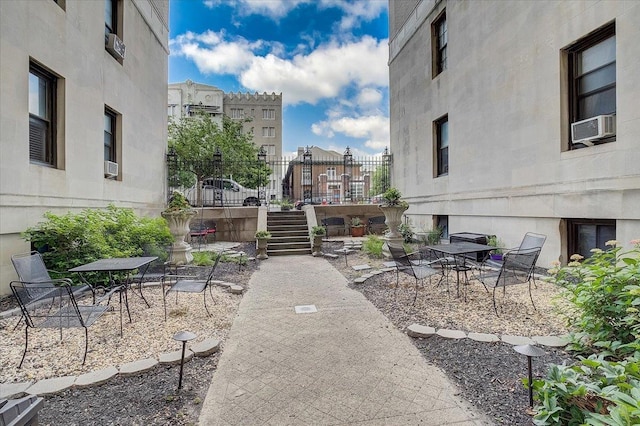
x=269, y=114
x=110, y=18
x=592, y=75
x=586, y=234
x=269, y=149
x=331, y=173
x=42, y=115
x=439, y=44
x=442, y=223
x=237, y=113
x=442, y=146
x=268, y=132
x=110, y=135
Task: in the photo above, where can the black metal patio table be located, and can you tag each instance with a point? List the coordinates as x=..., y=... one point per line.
x=460, y=252
x=119, y=264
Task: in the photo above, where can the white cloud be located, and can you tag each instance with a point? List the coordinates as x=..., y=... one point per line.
x=373, y=128
x=274, y=9
x=323, y=73
x=355, y=11
x=369, y=97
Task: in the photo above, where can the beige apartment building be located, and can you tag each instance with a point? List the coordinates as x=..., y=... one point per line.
x=265, y=111
x=189, y=99
x=83, y=118
x=516, y=116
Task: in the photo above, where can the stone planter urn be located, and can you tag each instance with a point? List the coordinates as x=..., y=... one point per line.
x=393, y=209
x=178, y=222
x=316, y=245
x=261, y=246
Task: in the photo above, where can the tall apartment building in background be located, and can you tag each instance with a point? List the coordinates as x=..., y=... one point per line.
x=512, y=116
x=189, y=99
x=264, y=112
x=82, y=111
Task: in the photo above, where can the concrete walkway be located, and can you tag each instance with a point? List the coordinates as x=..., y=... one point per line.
x=344, y=364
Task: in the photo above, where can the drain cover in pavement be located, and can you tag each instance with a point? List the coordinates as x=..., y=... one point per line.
x=306, y=309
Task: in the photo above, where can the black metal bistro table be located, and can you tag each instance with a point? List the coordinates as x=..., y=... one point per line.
x=119, y=264
x=460, y=251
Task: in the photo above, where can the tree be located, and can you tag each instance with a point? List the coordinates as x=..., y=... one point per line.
x=380, y=180
x=195, y=140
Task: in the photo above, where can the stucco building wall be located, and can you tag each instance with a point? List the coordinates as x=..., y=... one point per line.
x=504, y=92
x=70, y=41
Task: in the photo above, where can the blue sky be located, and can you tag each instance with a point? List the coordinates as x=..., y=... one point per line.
x=327, y=57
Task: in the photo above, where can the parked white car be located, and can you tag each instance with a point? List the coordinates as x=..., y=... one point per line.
x=224, y=192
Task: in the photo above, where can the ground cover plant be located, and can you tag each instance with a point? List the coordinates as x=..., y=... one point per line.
x=603, y=388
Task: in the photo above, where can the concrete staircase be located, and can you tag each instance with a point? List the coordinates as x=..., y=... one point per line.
x=289, y=233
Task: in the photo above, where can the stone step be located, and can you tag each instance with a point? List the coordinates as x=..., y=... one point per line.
x=289, y=252
x=293, y=245
x=289, y=238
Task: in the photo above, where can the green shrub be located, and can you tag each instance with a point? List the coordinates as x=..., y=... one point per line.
x=407, y=232
x=603, y=389
x=373, y=246
x=73, y=239
x=605, y=293
x=202, y=258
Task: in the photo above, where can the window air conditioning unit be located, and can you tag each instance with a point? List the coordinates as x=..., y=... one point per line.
x=115, y=46
x=594, y=128
x=110, y=169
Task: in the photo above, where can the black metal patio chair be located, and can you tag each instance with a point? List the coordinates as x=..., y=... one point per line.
x=183, y=284
x=517, y=268
x=44, y=306
x=410, y=264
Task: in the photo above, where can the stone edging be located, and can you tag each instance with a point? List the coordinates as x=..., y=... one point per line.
x=59, y=384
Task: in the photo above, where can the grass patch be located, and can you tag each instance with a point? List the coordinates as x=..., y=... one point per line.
x=372, y=246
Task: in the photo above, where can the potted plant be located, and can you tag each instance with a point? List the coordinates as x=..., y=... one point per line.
x=262, y=240
x=393, y=208
x=178, y=214
x=495, y=242
x=357, y=227
x=286, y=205
x=316, y=234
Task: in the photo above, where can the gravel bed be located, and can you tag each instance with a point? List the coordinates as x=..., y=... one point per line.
x=489, y=375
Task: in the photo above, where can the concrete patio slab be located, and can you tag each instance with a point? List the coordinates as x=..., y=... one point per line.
x=51, y=386
x=137, y=367
x=96, y=377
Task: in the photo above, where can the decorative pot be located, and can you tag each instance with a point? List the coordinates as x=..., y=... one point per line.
x=393, y=219
x=357, y=231
x=261, y=246
x=316, y=245
x=496, y=256
x=178, y=222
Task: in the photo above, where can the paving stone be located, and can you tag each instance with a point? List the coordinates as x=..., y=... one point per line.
x=13, y=390
x=331, y=255
x=451, y=334
x=553, y=341
x=390, y=264
x=136, y=367
x=389, y=269
x=236, y=289
x=172, y=358
x=483, y=337
x=359, y=280
x=367, y=276
x=51, y=386
x=517, y=340
x=217, y=282
x=96, y=377
x=377, y=272
x=361, y=267
x=417, y=330
x=206, y=347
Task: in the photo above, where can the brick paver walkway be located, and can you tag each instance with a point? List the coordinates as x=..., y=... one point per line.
x=344, y=364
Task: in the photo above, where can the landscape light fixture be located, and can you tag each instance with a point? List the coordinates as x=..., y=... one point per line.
x=184, y=337
x=530, y=351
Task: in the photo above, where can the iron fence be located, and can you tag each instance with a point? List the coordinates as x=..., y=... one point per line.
x=313, y=176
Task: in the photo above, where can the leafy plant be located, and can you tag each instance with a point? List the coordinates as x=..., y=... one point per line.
x=73, y=239
x=263, y=235
x=494, y=241
x=202, y=258
x=318, y=231
x=392, y=197
x=431, y=237
x=178, y=203
x=604, y=388
x=286, y=204
x=355, y=221
x=372, y=246
x=407, y=232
